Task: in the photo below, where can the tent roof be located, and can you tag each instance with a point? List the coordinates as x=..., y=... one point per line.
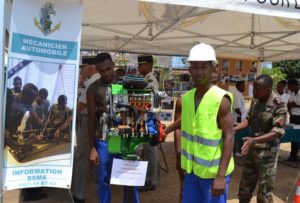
x=143, y=27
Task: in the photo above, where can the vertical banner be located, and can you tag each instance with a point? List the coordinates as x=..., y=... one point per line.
x=41, y=86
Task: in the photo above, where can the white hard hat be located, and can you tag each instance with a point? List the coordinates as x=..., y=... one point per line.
x=202, y=52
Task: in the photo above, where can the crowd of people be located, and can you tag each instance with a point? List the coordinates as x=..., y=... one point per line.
x=31, y=120
x=31, y=103
x=98, y=74
x=267, y=116
x=204, y=140
x=207, y=118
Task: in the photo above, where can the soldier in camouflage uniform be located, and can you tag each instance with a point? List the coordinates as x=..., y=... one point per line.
x=60, y=118
x=266, y=118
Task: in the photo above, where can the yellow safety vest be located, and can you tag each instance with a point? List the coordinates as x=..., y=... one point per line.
x=201, y=138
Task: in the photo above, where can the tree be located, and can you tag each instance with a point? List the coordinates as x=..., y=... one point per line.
x=276, y=74
x=122, y=59
x=290, y=68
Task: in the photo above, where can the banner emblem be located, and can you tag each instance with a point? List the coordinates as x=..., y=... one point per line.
x=44, y=25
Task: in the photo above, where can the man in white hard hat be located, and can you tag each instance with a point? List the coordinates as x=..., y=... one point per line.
x=206, y=132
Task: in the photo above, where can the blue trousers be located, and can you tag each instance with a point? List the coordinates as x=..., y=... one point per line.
x=198, y=190
x=104, y=172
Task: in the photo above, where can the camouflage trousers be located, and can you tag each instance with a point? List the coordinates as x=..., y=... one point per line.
x=260, y=168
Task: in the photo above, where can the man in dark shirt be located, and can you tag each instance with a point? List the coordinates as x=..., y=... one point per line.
x=98, y=108
x=17, y=82
x=19, y=105
x=20, y=110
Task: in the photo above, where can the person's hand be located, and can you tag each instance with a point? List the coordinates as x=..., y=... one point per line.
x=57, y=133
x=94, y=157
x=178, y=167
x=234, y=130
x=248, y=141
x=218, y=186
x=164, y=136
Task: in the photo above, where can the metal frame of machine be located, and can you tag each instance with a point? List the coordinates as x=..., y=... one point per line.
x=135, y=120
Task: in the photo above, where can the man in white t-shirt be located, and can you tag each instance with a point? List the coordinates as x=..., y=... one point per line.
x=280, y=88
x=239, y=112
x=239, y=102
x=294, y=110
x=82, y=151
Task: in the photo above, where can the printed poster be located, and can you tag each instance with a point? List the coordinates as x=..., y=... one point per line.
x=41, y=88
x=128, y=172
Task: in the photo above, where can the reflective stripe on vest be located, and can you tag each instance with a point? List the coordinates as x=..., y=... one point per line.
x=201, y=138
x=200, y=161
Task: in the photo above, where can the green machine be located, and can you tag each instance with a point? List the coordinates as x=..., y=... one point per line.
x=134, y=119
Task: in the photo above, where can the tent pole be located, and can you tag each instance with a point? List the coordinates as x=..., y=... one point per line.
x=129, y=40
x=2, y=69
x=277, y=39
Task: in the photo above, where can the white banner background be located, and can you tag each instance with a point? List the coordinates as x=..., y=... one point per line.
x=279, y=8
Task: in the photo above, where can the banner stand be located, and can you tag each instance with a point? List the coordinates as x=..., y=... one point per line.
x=2, y=69
x=44, y=55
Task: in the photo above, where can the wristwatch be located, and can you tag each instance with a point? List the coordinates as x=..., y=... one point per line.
x=254, y=141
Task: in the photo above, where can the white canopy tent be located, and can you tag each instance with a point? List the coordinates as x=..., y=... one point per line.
x=144, y=27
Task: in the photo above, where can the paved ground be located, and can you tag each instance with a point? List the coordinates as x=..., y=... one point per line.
x=168, y=189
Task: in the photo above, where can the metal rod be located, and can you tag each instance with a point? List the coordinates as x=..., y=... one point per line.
x=231, y=42
x=276, y=39
x=209, y=37
x=189, y=11
x=116, y=31
x=133, y=37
